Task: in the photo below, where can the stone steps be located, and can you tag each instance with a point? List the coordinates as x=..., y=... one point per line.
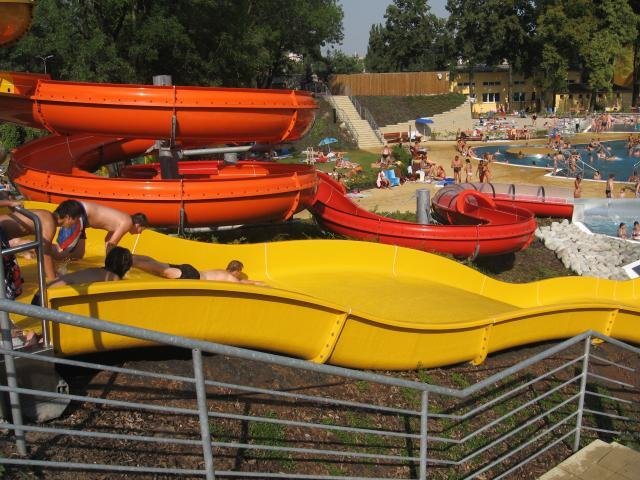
x=363, y=131
x=598, y=461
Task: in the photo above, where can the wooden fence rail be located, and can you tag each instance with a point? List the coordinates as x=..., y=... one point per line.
x=394, y=84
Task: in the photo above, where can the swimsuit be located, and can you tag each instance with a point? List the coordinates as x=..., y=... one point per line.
x=187, y=272
x=68, y=237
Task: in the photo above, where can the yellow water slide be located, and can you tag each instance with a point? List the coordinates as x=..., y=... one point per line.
x=355, y=304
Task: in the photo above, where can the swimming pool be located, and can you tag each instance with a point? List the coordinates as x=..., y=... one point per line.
x=621, y=164
x=604, y=216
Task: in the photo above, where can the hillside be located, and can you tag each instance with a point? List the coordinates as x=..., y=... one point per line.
x=391, y=110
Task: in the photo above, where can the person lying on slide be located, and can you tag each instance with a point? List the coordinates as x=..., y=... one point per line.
x=185, y=271
x=116, y=265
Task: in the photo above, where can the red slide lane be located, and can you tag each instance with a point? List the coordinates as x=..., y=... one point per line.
x=543, y=201
x=487, y=229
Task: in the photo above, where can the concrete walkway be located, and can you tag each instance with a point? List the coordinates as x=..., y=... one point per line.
x=598, y=461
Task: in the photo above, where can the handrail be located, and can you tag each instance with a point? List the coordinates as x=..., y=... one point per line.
x=510, y=395
x=365, y=114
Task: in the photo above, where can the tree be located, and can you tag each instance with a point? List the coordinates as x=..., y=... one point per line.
x=200, y=42
x=339, y=62
x=588, y=35
x=412, y=39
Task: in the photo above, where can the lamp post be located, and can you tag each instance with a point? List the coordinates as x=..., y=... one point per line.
x=45, y=59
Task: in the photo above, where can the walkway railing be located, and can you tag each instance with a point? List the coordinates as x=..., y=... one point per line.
x=366, y=115
x=278, y=421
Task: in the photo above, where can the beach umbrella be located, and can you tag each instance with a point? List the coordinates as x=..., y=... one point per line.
x=327, y=141
x=424, y=120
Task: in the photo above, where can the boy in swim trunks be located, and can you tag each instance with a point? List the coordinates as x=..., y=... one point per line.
x=233, y=272
x=75, y=216
x=609, y=187
x=116, y=265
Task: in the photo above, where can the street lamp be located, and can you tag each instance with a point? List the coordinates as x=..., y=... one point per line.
x=45, y=59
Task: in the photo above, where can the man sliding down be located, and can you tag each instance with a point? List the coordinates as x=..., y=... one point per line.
x=233, y=272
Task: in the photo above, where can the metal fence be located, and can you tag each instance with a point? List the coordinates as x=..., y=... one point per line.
x=216, y=411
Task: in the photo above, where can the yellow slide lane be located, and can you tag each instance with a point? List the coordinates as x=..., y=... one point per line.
x=355, y=304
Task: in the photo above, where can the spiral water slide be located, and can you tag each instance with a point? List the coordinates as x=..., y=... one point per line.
x=478, y=226
x=98, y=124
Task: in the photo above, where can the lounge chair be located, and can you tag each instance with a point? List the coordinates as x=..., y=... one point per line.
x=391, y=176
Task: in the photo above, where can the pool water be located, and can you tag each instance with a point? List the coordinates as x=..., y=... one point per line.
x=621, y=163
x=604, y=216
x=608, y=226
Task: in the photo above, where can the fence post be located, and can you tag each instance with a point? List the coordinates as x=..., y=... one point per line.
x=12, y=373
x=583, y=389
x=424, y=411
x=203, y=413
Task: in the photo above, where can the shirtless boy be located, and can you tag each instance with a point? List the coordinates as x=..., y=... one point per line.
x=233, y=272
x=90, y=214
x=608, y=191
x=456, y=165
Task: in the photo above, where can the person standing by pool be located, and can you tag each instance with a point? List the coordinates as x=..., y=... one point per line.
x=468, y=170
x=608, y=191
x=635, y=233
x=456, y=165
x=577, y=186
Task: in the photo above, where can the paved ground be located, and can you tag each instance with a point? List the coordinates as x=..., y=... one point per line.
x=598, y=461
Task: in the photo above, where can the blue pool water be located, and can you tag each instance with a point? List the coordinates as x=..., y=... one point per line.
x=604, y=216
x=621, y=164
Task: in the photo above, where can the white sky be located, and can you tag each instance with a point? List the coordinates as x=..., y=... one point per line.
x=359, y=15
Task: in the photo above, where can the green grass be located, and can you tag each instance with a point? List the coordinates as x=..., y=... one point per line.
x=391, y=110
x=272, y=434
x=459, y=380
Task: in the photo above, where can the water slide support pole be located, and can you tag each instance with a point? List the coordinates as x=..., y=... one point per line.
x=167, y=157
x=423, y=211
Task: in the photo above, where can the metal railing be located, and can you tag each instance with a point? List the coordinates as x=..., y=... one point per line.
x=279, y=422
x=365, y=114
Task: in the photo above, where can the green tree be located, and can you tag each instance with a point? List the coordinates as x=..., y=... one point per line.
x=412, y=39
x=339, y=62
x=200, y=42
x=584, y=34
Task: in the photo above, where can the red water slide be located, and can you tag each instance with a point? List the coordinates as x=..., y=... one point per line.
x=113, y=119
x=482, y=227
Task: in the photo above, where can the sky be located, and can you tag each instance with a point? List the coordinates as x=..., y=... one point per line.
x=359, y=15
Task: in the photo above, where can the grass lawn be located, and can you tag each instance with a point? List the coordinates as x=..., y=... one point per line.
x=390, y=110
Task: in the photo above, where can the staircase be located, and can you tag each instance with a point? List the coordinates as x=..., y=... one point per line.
x=364, y=134
x=443, y=123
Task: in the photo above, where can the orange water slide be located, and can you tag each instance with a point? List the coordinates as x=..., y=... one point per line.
x=98, y=124
x=157, y=112
x=207, y=193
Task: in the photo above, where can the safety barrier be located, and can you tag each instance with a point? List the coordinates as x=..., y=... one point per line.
x=278, y=421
